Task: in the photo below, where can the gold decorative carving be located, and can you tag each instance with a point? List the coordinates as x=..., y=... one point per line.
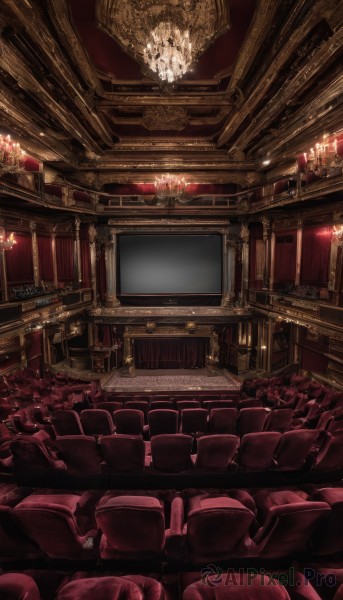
x=165, y=117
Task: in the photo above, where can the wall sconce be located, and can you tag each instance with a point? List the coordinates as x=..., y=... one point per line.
x=190, y=326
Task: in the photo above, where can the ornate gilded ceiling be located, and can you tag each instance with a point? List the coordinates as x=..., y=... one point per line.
x=75, y=93
x=130, y=23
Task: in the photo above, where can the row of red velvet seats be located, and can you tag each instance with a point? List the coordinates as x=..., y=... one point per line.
x=307, y=583
x=192, y=528
x=79, y=455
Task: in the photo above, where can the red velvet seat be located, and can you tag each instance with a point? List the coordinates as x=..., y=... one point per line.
x=129, y=421
x=235, y=586
x=66, y=422
x=17, y=586
x=142, y=405
x=133, y=527
x=123, y=453
x=162, y=404
x=32, y=458
x=279, y=420
x=223, y=420
x=257, y=450
x=14, y=544
x=250, y=403
x=288, y=522
x=251, y=420
x=96, y=421
x=22, y=422
x=328, y=538
x=194, y=421
x=79, y=453
x=181, y=404
x=163, y=421
x=332, y=460
x=294, y=449
x=211, y=404
x=130, y=587
x=216, y=528
x=216, y=452
x=111, y=407
x=52, y=521
x=171, y=453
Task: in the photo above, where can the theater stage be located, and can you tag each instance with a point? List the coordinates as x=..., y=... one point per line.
x=172, y=380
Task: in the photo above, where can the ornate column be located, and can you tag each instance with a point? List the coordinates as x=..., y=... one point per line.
x=111, y=271
x=299, y=249
x=228, y=270
x=77, y=254
x=4, y=285
x=272, y=261
x=245, y=263
x=35, y=257
x=54, y=259
x=267, y=245
x=270, y=344
x=92, y=233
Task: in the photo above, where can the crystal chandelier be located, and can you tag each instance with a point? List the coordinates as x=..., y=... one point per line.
x=170, y=187
x=11, y=156
x=7, y=244
x=169, y=54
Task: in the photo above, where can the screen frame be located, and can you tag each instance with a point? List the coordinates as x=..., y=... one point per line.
x=175, y=295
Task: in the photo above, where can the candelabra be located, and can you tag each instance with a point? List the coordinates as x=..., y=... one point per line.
x=11, y=156
x=7, y=244
x=170, y=187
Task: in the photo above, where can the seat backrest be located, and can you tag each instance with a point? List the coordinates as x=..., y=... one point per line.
x=257, y=450
x=294, y=448
x=96, y=421
x=163, y=421
x=109, y=406
x=30, y=456
x=235, y=586
x=216, y=452
x=249, y=403
x=171, y=452
x=250, y=420
x=102, y=588
x=181, y=404
x=17, y=586
x=289, y=527
x=80, y=454
x=50, y=521
x=333, y=459
x=194, y=420
x=129, y=421
x=162, y=404
x=66, y=422
x=223, y=420
x=132, y=523
x=123, y=453
x=328, y=537
x=210, y=404
x=279, y=420
x=216, y=526
x=142, y=405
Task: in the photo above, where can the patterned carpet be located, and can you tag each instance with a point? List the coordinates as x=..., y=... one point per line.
x=178, y=379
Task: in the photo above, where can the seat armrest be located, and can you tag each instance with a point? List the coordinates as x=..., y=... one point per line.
x=174, y=535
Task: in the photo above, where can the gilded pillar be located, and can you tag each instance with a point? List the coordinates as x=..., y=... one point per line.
x=111, y=271
x=77, y=253
x=54, y=259
x=4, y=285
x=272, y=262
x=35, y=256
x=266, y=245
x=270, y=345
x=299, y=250
x=335, y=284
x=92, y=233
x=228, y=271
x=245, y=263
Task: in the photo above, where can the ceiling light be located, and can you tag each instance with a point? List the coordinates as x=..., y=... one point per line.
x=11, y=156
x=266, y=162
x=169, y=52
x=170, y=187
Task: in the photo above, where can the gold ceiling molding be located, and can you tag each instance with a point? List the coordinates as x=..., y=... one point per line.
x=165, y=117
x=130, y=23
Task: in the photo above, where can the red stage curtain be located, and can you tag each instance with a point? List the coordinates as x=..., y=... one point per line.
x=45, y=258
x=65, y=258
x=170, y=353
x=285, y=256
x=85, y=262
x=19, y=260
x=315, y=255
x=101, y=274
